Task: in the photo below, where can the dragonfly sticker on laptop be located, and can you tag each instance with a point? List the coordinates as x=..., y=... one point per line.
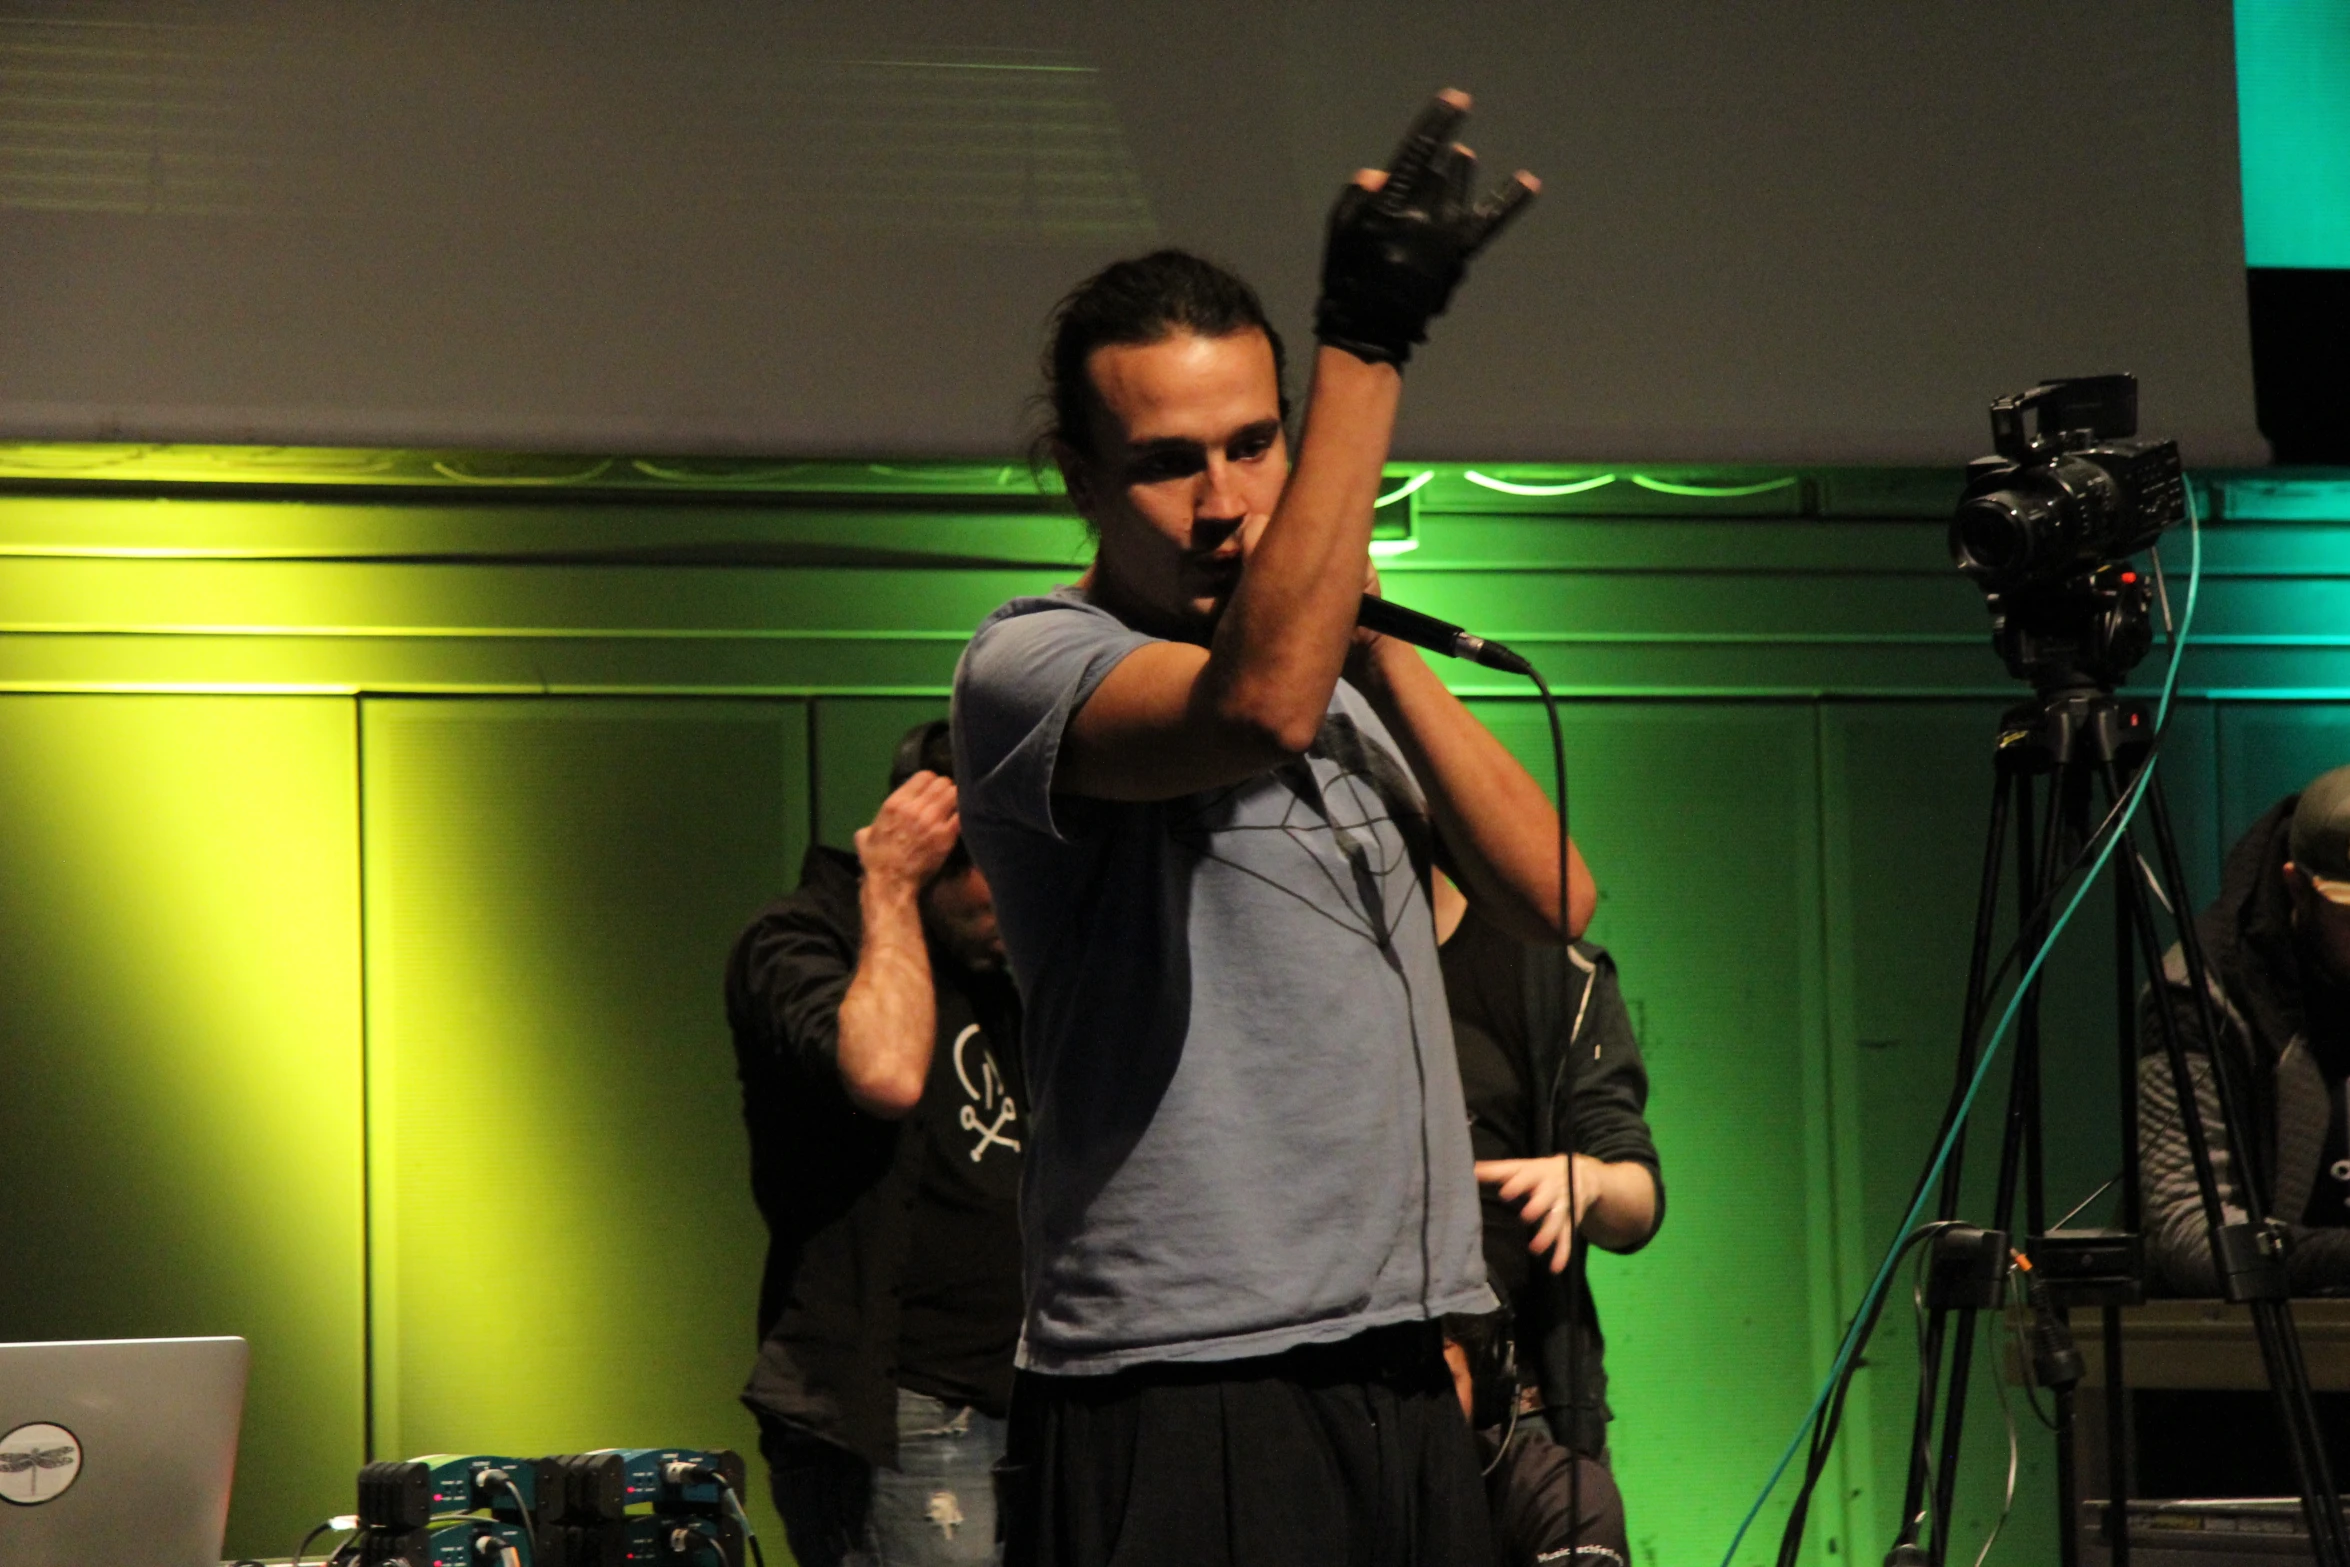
x=38, y=1462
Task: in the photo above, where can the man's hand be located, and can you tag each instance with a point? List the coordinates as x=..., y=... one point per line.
x=912, y=835
x=1617, y=1202
x=1543, y=1183
x=1400, y=239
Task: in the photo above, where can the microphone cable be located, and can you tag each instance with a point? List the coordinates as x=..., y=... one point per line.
x=1576, y=1277
x=1425, y=631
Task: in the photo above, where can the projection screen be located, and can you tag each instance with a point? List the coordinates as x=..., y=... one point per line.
x=1825, y=231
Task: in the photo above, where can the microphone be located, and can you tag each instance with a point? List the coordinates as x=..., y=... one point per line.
x=1437, y=636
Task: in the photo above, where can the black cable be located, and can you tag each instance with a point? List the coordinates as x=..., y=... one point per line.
x=1565, y=1133
x=330, y=1526
x=304, y=1547
x=1832, y=1413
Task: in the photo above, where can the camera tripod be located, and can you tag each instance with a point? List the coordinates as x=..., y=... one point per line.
x=2088, y=746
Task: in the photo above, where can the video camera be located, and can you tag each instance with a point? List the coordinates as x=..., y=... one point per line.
x=2047, y=525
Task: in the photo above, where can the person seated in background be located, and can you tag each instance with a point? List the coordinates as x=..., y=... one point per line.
x=1544, y=1510
x=2276, y=944
x=1548, y=1062
x=876, y=1033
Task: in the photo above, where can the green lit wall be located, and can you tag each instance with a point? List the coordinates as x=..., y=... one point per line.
x=378, y=822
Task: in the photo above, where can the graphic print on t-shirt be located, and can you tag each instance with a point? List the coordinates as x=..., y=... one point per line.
x=989, y=1110
x=1340, y=808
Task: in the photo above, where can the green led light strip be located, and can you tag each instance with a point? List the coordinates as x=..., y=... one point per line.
x=596, y=470
x=1411, y=486
x=1506, y=487
x=1713, y=491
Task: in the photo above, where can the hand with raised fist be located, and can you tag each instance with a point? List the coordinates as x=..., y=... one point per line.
x=1401, y=238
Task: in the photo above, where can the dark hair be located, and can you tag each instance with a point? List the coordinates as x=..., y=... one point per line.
x=927, y=747
x=1488, y=1342
x=1144, y=300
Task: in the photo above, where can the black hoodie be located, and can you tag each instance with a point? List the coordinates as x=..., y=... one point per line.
x=2285, y=1096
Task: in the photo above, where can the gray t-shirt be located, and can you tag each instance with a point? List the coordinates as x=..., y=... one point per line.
x=1246, y=1128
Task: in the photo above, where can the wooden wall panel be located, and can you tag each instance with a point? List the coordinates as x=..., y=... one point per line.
x=180, y=1105
x=565, y=1251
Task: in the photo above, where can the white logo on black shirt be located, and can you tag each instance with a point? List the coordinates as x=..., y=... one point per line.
x=990, y=1109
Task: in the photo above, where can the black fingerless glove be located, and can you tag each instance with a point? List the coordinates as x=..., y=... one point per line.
x=1394, y=255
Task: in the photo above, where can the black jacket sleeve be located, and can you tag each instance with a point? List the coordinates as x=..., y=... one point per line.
x=1610, y=1083
x=812, y=1150
x=789, y=972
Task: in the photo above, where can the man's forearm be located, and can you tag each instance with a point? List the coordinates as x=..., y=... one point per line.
x=1497, y=826
x=1284, y=636
x=888, y=1019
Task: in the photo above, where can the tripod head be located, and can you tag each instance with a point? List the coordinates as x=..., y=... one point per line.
x=2084, y=631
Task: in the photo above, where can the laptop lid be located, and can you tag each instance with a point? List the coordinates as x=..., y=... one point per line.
x=118, y=1451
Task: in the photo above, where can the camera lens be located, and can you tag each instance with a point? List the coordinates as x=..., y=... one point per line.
x=1993, y=533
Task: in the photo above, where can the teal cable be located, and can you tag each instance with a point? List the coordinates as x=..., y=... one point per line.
x=1917, y=1207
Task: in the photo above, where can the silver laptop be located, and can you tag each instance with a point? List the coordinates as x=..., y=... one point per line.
x=118, y=1451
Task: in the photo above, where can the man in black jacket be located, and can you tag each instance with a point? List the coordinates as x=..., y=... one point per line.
x=2276, y=943
x=876, y=1035
x=1541, y=1044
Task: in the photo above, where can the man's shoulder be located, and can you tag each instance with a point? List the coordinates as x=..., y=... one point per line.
x=1026, y=650
x=824, y=903
x=1064, y=612
x=1027, y=670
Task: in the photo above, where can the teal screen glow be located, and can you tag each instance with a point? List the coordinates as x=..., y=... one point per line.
x=2293, y=111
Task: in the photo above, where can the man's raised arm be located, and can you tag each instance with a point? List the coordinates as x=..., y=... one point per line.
x=1174, y=717
x=888, y=1018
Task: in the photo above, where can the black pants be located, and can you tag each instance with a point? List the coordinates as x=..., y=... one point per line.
x=1345, y=1455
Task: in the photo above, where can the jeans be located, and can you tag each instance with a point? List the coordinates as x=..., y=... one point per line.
x=936, y=1509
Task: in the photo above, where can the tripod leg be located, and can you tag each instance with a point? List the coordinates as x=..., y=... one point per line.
x=2129, y=1211
x=2117, y=1382
x=2068, y=1482
x=2010, y=791
x=2226, y=1081
x=2117, y=1442
x=2035, y=869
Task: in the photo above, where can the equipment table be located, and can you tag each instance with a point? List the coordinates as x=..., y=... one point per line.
x=2201, y=1346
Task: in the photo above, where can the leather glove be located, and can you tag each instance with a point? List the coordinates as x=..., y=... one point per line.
x=1395, y=254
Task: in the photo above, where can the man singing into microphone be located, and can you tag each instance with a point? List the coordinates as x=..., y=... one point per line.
x=1208, y=806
